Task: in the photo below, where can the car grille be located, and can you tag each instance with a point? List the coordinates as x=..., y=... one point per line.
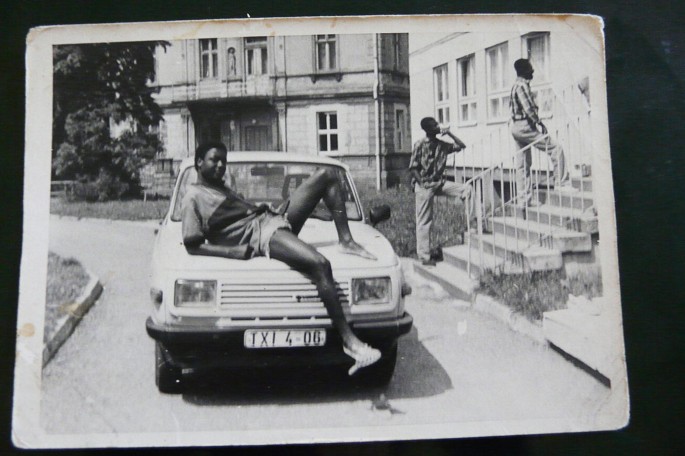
x=295, y=298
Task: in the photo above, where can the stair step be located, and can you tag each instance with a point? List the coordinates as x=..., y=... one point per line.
x=530, y=257
x=588, y=338
x=577, y=200
x=458, y=256
x=571, y=219
x=456, y=281
x=582, y=183
x=553, y=236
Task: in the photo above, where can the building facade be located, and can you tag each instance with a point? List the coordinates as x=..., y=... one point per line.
x=465, y=79
x=345, y=96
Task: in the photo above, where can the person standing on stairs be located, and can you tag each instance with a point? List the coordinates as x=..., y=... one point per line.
x=427, y=168
x=527, y=128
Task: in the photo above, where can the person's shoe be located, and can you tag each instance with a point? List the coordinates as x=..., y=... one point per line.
x=430, y=262
x=364, y=356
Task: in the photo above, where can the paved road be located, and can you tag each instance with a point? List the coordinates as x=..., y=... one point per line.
x=456, y=366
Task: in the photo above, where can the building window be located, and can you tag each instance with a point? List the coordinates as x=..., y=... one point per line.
x=442, y=95
x=326, y=52
x=466, y=89
x=209, y=58
x=327, y=131
x=535, y=47
x=256, y=56
x=397, y=51
x=497, y=69
x=401, y=129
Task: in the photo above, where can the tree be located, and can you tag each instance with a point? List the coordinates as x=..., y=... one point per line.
x=97, y=87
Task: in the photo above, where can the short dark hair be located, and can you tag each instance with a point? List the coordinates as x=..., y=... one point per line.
x=203, y=148
x=522, y=65
x=425, y=121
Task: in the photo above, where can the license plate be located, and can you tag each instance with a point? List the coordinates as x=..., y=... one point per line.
x=284, y=338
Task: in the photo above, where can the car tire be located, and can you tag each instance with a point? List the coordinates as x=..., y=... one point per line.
x=169, y=379
x=380, y=373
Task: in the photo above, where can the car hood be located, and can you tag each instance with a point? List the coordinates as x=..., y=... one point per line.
x=171, y=254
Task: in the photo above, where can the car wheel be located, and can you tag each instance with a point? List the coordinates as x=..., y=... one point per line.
x=169, y=379
x=380, y=373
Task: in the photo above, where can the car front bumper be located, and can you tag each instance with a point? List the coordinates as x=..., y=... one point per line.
x=200, y=347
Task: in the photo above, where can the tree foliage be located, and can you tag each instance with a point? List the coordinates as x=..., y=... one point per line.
x=104, y=115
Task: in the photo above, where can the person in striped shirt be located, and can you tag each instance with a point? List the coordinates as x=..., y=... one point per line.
x=527, y=129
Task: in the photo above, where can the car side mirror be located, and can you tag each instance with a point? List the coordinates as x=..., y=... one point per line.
x=379, y=214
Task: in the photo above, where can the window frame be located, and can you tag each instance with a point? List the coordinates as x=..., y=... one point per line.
x=251, y=46
x=442, y=104
x=502, y=91
x=212, y=54
x=329, y=40
x=470, y=99
x=541, y=85
x=402, y=140
x=328, y=132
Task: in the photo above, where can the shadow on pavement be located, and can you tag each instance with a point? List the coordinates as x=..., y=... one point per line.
x=417, y=374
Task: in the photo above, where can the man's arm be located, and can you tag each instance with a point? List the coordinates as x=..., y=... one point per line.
x=415, y=164
x=457, y=142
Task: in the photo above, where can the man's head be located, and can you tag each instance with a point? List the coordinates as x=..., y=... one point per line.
x=523, y=68
x=430, y=126
x=210, y=161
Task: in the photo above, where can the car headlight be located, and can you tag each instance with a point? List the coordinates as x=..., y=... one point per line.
x=195, y=293
x=374, y=290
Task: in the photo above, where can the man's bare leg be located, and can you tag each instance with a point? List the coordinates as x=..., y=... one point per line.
x=287, y=247
x=324, y=185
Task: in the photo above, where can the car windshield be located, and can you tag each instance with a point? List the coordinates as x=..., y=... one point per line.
x=272, y=183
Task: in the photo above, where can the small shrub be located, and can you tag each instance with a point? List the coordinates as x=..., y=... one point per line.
x=533, y=293
x=449, y=221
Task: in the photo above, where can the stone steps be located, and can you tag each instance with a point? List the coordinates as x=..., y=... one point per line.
x=576, y=200
x=589, y=338
x=458, y=256
x=455, y=280
x=571, y=219
x=582, y=183
x=530, y=257
x=551, y=236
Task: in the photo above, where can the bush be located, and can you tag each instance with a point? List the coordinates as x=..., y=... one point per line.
x=534, y=293
x=105, y=188
x=449, y=221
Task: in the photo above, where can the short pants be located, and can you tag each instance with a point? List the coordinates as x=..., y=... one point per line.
x=263, y=228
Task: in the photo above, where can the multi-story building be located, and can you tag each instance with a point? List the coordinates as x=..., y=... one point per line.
x=345, y=96
x=465, y=79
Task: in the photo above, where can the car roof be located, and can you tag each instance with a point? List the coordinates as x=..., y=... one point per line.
x=272, y=157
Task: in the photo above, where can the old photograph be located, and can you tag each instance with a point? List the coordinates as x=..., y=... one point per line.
x=269, y=231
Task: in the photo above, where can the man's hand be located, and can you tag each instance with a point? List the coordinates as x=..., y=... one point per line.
x=431, y=185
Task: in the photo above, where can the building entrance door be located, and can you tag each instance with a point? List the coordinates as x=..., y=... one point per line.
x=258, y=137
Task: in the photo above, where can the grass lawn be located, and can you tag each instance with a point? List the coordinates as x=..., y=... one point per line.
x=66, y=281
x=113, y=210
x=531, y=294
x=448, y=220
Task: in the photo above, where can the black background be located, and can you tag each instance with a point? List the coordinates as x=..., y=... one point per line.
x=645, y=43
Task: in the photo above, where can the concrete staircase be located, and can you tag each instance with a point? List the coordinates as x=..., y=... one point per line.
x=537, y=238
x=563, y=229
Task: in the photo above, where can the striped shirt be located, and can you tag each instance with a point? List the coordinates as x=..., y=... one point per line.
x=522, y=102
x=429, y=158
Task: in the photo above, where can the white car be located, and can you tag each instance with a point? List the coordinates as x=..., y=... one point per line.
x=215, y=312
